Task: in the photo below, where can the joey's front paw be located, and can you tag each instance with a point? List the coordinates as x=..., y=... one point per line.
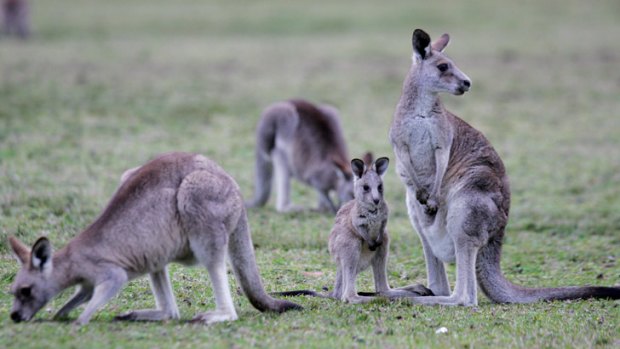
x=422, y=196
x=430, y=208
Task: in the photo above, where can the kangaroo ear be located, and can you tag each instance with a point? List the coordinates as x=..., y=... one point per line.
x=421, y=44
x=20, y=250
x=41, y=258
x=441, y=43
x=381, y=165
x=342, y=170
x=368, y=158
x=358, y=167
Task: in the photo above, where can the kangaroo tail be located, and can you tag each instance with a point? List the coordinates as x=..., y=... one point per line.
x=277, y=118
x=500, y=290
x=243, y=261
x=296, y=293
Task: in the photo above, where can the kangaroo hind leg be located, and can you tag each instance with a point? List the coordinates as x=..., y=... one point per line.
x=211, y=250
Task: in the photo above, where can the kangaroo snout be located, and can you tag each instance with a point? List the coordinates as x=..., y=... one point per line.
x=16, y=316
x=464, y=86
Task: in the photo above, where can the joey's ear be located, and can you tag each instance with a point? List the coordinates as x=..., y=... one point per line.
x=20, y=250
x=358, y=167
x=441, y=43
x=41, y=258
x=368, y=158
x=421, y=44
x=381, y=165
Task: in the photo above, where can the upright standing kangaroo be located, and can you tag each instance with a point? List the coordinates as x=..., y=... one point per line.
x=16, y=18
x=359, y=239
x=178, y=207
x=302, y=140
x=458, y=195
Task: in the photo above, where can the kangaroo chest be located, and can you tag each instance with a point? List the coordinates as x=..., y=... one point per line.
x=372, y=223
x=417, y=143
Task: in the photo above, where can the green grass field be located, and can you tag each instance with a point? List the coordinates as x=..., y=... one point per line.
x=103, y=86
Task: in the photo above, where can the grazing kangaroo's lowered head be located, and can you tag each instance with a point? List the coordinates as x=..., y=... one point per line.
x=33, y=286
x=433, y=69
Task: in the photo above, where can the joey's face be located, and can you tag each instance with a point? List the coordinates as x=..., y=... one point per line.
x=368, y=182
x=30, y=294
x=369, y=189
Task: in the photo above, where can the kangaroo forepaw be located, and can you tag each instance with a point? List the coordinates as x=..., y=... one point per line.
x=422, y=196
x=431, y=207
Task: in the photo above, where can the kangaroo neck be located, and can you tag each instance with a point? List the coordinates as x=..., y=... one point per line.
x=417, y=101
x=64, y=273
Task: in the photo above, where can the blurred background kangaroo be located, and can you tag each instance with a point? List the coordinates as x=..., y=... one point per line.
x=458, y=195
x=359, y=239
x=299, y=139
x=179, y=207
x=16, y=18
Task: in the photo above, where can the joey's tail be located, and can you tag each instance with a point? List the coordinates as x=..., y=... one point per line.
x=243, y=261
x=500, y=290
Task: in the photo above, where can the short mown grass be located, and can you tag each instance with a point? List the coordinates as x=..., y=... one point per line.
x=103, y=86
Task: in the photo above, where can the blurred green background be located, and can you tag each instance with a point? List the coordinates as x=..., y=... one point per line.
x=102, y=86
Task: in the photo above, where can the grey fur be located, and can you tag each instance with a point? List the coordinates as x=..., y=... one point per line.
x=359, y=239
x=458, y=196
x=297, y=139
x=179, y=207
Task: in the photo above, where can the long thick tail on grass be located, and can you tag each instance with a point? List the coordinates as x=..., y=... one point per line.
x=296, y=293
x=498, y=289
x=278, y=118
x=243, y=261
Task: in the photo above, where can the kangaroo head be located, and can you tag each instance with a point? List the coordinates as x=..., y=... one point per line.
x=434, y=70
x=33, y=286
x=368, y=181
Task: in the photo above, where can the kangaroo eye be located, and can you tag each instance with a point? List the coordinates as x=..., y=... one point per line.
x=366, y=187
x=25, y=292
x=380, y=188
x=442, y=67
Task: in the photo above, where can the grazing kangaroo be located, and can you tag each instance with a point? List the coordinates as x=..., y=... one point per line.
x=302, y=140
x=178, y=207
x=359, y=239
x=16, y=18
x=458, y=195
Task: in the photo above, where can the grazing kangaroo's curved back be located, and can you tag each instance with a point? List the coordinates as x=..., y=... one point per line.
x=458, y=195
x=298, y=139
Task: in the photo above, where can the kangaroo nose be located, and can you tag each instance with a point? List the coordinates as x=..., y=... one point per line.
x=376, y=201
x=467, y=83
x=16, y=317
